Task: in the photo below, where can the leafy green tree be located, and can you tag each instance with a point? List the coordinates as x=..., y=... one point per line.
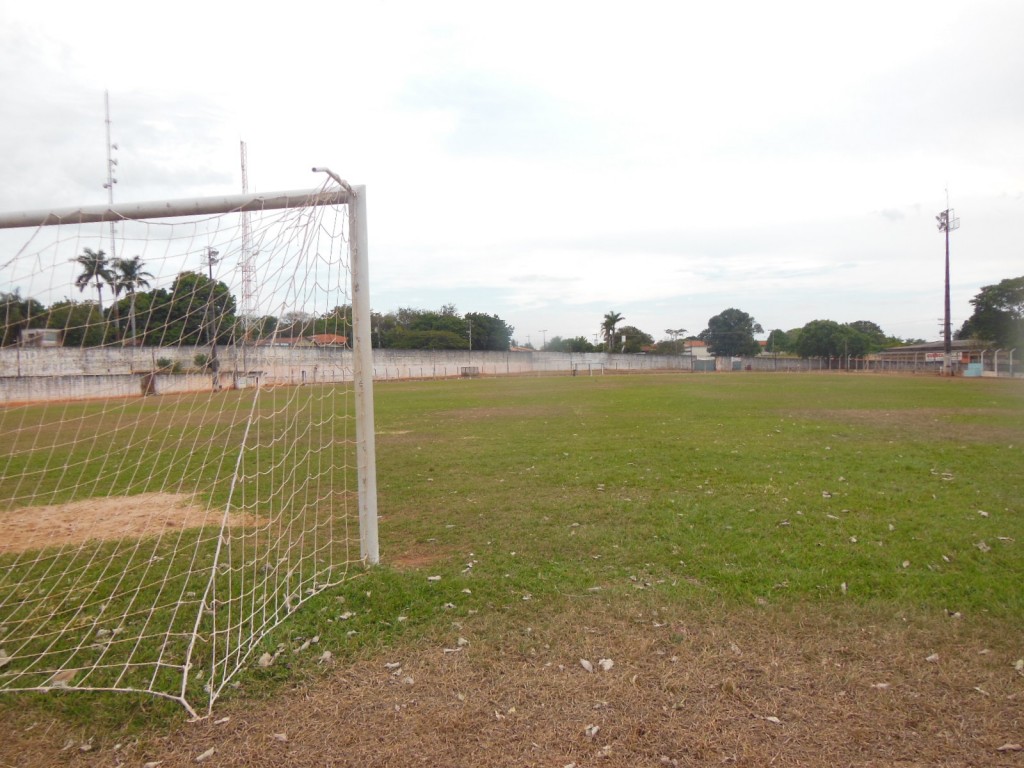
x=611, y=319
x=876, y=336
x=296, y=324
x=445, y=328
x=778, y=342
x=80, y=323
x=152, y=309
x=95, y=271
x=17, y=314
x=674, y=344
x=794, y=338
x=129, y=277
x=731, y=334
x=575, y=344
x=406, y=339
x=337, y=321
x=857, y=344
x=253, y=329
x=998, y=314
x=382, y=325
x=445, y=319
x=193, y=312
x=263, y=327
x=489, y=331
x=636, y=339
x=13, y=317
x=819, y=338
x=412, y=328
x=827, y=338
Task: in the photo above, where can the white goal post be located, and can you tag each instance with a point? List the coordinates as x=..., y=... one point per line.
x=177, y=469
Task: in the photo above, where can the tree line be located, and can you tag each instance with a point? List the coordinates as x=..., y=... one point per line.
x=997, y=319
x=732, y=333
x=198, y=310
x=194, y=310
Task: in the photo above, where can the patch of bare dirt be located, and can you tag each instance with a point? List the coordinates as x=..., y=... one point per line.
x=420, y=555
x=105, y=519
x=415, y=559
x=755, y=687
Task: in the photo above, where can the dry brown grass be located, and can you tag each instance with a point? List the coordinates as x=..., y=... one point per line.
x=106, y=519
x=850, y=689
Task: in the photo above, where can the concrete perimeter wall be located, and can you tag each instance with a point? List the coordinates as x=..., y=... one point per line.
x=28, y=375
x=59, y=373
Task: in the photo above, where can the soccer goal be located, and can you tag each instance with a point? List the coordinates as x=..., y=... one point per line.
x=187, y=454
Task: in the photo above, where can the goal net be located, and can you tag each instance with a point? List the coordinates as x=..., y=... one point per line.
x=186, y=412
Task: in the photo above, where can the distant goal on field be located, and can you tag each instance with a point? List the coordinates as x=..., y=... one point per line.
x=186, y=405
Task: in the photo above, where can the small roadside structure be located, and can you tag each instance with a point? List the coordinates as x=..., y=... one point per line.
x=40, y=337
x=931, y=354
x=329, y=340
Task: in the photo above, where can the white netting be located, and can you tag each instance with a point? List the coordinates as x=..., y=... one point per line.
x=177, y=467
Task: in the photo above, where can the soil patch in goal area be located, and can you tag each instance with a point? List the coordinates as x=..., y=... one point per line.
x=105, y=519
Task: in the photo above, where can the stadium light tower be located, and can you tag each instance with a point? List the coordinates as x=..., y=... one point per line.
x=947, y=222
x=111, y=179
x=212, y=325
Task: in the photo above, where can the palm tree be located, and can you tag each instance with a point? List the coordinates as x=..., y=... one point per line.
x=129, y=277
x=608, y=327
x=94, y=267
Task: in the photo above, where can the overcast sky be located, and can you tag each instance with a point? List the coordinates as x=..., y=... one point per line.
x=550, y=162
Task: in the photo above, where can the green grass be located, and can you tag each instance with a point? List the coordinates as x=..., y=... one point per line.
x=696, y=490
x=716, y=486
x=95, y=606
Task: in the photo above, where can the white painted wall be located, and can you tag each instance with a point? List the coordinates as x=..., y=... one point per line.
x=71, y=374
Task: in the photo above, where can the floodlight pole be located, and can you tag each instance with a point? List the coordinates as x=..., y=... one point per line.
x=946, y=223
x=212, y=326
x=111, y=181
x=948, y=343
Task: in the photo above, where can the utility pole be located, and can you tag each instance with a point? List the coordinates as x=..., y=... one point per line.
x=543, y=338
x=947, y=222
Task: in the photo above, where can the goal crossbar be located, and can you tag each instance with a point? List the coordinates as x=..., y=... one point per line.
x=197, y=206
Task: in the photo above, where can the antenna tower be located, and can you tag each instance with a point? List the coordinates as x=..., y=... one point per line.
x=111, y=181
x=248, y=269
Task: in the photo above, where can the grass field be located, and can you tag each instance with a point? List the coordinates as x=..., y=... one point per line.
x=115, y=572
x=802, y=569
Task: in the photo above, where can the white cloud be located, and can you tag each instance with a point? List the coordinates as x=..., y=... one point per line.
x=549, y=162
